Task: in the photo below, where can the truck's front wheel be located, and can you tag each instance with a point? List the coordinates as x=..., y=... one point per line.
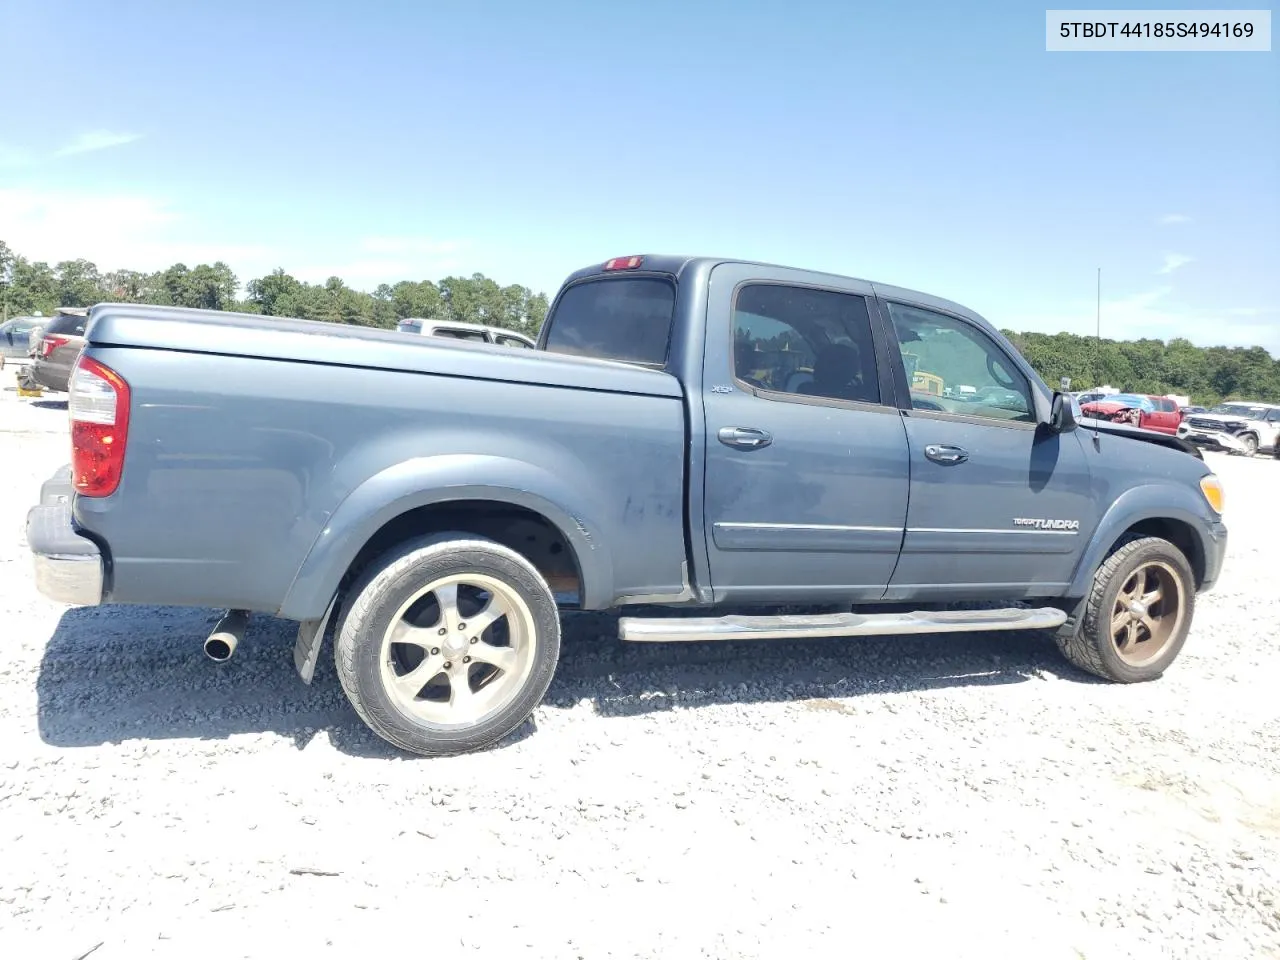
x=448, y=646
x=1137, y=615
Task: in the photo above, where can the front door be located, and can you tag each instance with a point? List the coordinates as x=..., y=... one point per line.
x=999, y=506
x=805, y=489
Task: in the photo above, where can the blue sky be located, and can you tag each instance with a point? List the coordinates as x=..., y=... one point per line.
x=936, y=146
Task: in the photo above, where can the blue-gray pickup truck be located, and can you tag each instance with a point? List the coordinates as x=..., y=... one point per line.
x=702, y=440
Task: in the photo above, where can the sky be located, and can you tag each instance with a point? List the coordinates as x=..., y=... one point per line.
x=936, y=146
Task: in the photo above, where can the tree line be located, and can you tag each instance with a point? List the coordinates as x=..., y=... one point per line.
x=1206, y=374
x=28, y=287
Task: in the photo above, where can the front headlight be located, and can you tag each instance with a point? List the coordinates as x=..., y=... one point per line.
x=1211, y=487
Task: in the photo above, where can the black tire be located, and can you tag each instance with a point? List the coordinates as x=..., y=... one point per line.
x=1091, y=647
x=1250, y=444
x=380, y=593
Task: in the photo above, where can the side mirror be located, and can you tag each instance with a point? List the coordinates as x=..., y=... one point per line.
x=1063, y=413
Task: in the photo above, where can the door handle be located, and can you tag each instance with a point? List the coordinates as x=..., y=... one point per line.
x=946, y=453
x=744, y=438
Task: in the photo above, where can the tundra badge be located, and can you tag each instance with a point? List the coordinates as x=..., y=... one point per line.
x=1041, y=524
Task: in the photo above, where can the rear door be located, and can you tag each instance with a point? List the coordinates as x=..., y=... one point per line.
x=805, y=485
x=999, y=506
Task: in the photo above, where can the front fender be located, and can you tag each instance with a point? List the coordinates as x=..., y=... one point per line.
x=1153, y=501
x=423, y=481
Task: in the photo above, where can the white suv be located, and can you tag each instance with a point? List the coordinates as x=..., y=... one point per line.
x=1237, y=426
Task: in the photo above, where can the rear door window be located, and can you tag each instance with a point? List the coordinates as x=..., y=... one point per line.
x=623, y=318
x=805, y=341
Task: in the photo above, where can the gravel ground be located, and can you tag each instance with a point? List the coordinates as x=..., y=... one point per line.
x=969, y=796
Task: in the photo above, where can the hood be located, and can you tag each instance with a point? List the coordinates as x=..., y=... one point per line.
x=1090, y=424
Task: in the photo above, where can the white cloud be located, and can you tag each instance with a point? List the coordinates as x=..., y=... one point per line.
x=409, y=246
x=1151, y=314
x=1172, y=261
x=15, y=156
x=115, y=231
x=380, y=259
x=1171, y=218
x=96, y=140
x=138, y=232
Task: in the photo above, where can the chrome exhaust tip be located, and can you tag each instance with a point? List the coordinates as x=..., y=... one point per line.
x=226, y=636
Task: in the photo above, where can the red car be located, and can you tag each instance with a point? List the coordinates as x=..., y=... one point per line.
x=1160, y=414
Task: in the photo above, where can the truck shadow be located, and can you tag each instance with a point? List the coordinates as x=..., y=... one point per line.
x=111, y=674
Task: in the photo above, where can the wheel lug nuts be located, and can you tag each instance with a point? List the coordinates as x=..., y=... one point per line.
x=435, y=651
x=475, y=639
x=442, y=631
x=466, y=659
x=462, y=626
x=448, y=664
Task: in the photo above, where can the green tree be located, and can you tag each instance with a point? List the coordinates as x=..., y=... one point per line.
x=79, y=284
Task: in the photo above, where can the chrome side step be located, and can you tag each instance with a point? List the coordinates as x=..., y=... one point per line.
x=669, y=629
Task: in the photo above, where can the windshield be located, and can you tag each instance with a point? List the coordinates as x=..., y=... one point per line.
x=624, y=318
x=1240, y=410
x=1131, y=400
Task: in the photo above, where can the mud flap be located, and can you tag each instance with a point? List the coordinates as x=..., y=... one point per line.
x=306, y=649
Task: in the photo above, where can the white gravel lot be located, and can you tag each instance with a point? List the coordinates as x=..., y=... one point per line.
x=968, y=796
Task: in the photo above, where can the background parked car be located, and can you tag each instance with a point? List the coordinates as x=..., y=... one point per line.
x=465, y=331
x=60, y=345
x=1150, y=413
x=14, y=339
x=1238, y=426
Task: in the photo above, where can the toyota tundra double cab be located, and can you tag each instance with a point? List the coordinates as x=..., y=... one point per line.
x=695, y=442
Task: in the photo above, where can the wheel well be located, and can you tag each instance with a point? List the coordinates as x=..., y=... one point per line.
x=1180, y=534
x=528, y=533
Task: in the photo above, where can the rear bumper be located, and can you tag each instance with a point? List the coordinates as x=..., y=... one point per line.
x=51, y=378
x=68, y=566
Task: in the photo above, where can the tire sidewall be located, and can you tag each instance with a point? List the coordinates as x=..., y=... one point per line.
x=363, y=635
x=1100, y=616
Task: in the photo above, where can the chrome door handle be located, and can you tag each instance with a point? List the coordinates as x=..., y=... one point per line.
x=744, y=438
x=946, y=453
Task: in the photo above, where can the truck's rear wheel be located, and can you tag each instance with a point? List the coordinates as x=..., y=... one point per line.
x=1137, y=615
x=448, y=646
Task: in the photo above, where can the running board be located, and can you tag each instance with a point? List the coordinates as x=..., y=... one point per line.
x=667, y=629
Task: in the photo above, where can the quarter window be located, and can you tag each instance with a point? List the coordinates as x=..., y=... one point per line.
x=955, y=368
x=804, y=341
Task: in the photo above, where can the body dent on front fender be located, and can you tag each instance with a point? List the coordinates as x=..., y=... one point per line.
x=1152, y=502
x=426, y=481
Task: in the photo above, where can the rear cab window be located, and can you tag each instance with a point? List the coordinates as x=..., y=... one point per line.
x=67, y=323
x=614, y=318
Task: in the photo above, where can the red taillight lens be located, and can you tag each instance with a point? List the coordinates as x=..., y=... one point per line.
x=50, y=344
x=99, y=411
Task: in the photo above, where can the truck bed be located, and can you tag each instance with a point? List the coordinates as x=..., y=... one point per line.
x=249, y=434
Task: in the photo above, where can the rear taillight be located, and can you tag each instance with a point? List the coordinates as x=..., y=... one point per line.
x=99, y=412
x=50, y=344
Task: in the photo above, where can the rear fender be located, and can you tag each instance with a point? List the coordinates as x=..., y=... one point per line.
x=424, y=481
